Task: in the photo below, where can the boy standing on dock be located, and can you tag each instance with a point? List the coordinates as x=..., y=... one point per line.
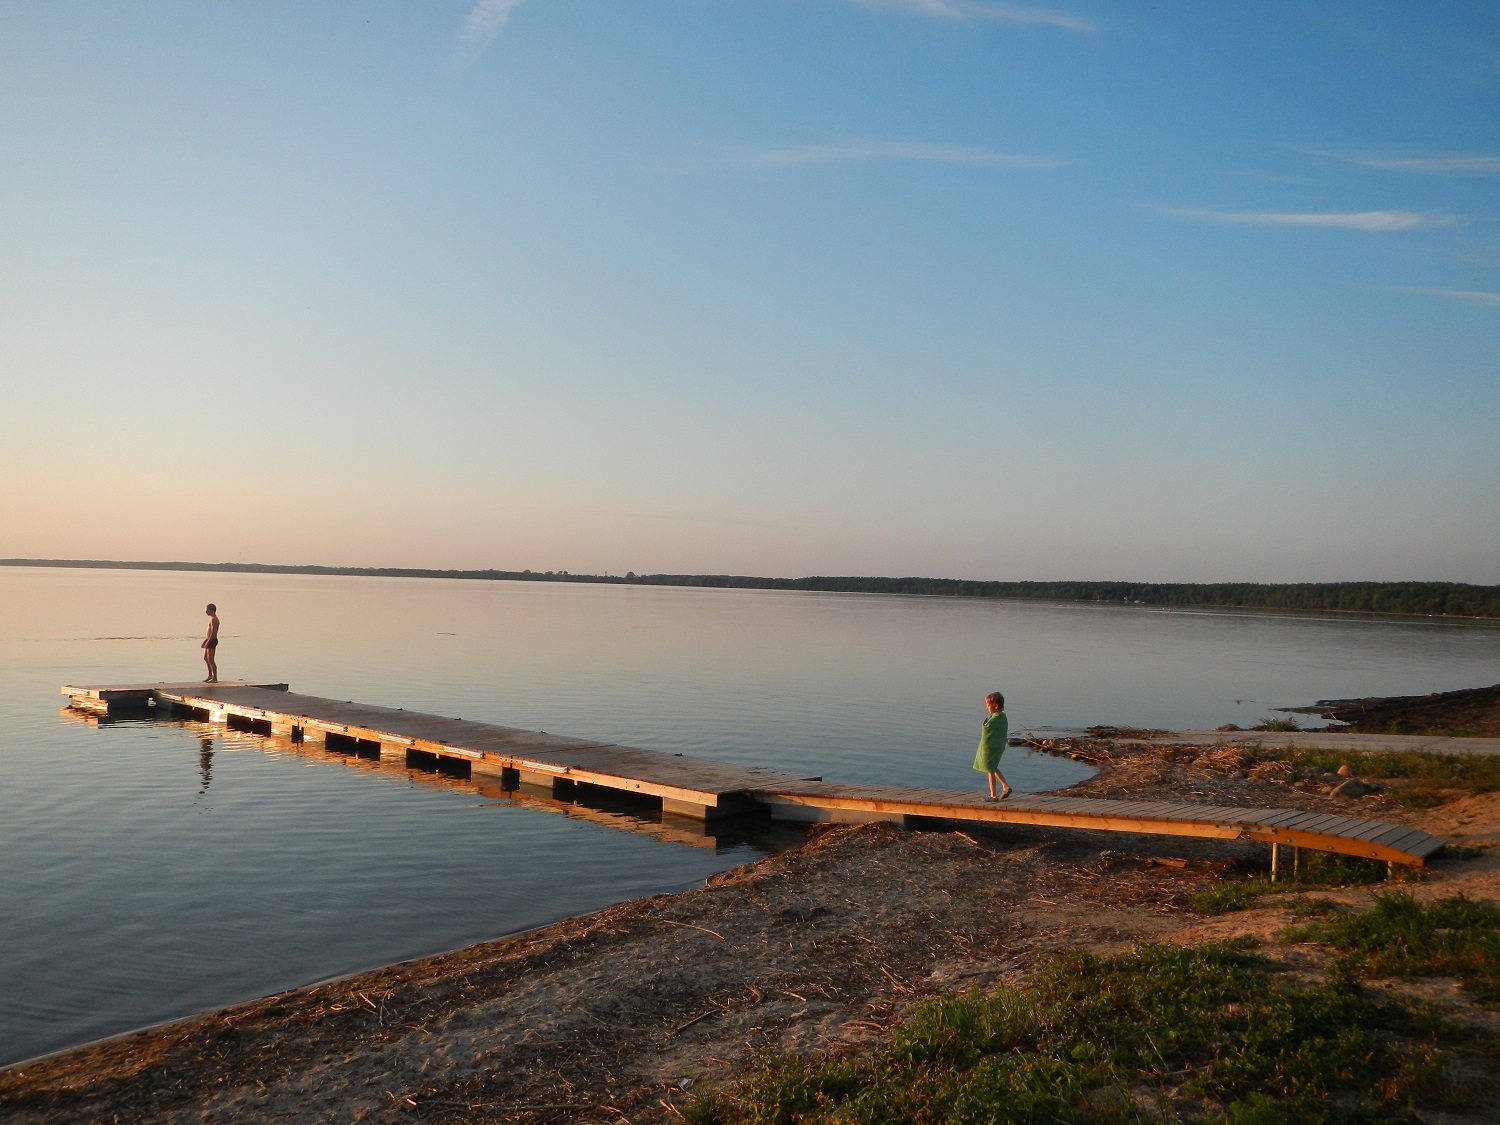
x=211, y=645
x=992, y=744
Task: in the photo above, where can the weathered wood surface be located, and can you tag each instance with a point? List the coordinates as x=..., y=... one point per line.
x=700, y=787
x=685, y=830
x=672, y=777
x=1372, y=839
x=101, y=698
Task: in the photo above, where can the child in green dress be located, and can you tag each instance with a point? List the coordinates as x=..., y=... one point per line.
x=992, y=744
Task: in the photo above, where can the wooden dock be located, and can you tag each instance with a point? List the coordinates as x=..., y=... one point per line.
x=685, y=786
x=695, y=787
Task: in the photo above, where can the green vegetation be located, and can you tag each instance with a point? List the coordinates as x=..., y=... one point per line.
x=1164, y=1033
x=1270, y=723
x=1401, y=937
x=1442, y=599
x=1428, y=598
x=1326, y=869
x=1417, y=798
x=1315, y=869
x=1475, y=772
x=1464, y=851
x=1311, y=906
x=1225, y=898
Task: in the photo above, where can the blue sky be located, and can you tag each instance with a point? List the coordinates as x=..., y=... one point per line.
x=1151, y=291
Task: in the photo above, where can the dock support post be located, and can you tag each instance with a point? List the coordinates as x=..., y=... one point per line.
x=685, y=808
x=728, y=804
x=1296, y=863
x=285, y=726
x=797, y=813
x=1275, y=857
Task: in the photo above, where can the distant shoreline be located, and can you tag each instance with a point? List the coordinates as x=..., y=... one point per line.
x=1404, y=599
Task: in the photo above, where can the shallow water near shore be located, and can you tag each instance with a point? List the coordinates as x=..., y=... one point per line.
x=154, y=869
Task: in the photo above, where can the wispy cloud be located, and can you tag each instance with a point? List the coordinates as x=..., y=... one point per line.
x=960, y=10
x=895, y=150
x=1450, y=164
x=1378, y=222
x=1468, y=296
x=484, y=21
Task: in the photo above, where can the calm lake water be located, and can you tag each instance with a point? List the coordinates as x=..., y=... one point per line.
x=156, y=869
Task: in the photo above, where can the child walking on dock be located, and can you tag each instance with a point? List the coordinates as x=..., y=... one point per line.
x=992, y=744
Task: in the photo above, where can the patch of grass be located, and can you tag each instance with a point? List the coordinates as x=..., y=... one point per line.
x=1463, y=851
x=1475, y=772
x=1224, y=898
x=1401, y=937
x=1315, y=869
x=1417, y=798
x=1328, y=869
x=1274, y=723
x=1158, y=1034
x=1310, y=906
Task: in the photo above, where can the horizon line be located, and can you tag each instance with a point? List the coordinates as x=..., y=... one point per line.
x=501, y=575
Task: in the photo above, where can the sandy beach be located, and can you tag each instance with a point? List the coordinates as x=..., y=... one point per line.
x=623, y=1014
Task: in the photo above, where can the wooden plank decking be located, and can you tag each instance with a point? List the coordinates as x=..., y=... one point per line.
x=700, y=788
x=689, y=786
x=1371, y=839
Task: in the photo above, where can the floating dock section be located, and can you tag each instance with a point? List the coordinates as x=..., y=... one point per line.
x=685, y=786
x=695, y=787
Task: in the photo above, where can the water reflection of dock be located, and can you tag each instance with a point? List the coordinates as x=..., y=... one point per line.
x=534, y=765
x=604, y=809
x=670, y=829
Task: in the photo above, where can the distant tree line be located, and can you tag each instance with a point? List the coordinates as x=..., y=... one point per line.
x=1440, y=599
x=1450, y=599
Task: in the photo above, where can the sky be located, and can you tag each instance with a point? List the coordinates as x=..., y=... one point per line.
x=1150, y=291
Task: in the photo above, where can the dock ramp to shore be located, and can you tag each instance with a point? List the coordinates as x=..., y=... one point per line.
x=695, y=787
